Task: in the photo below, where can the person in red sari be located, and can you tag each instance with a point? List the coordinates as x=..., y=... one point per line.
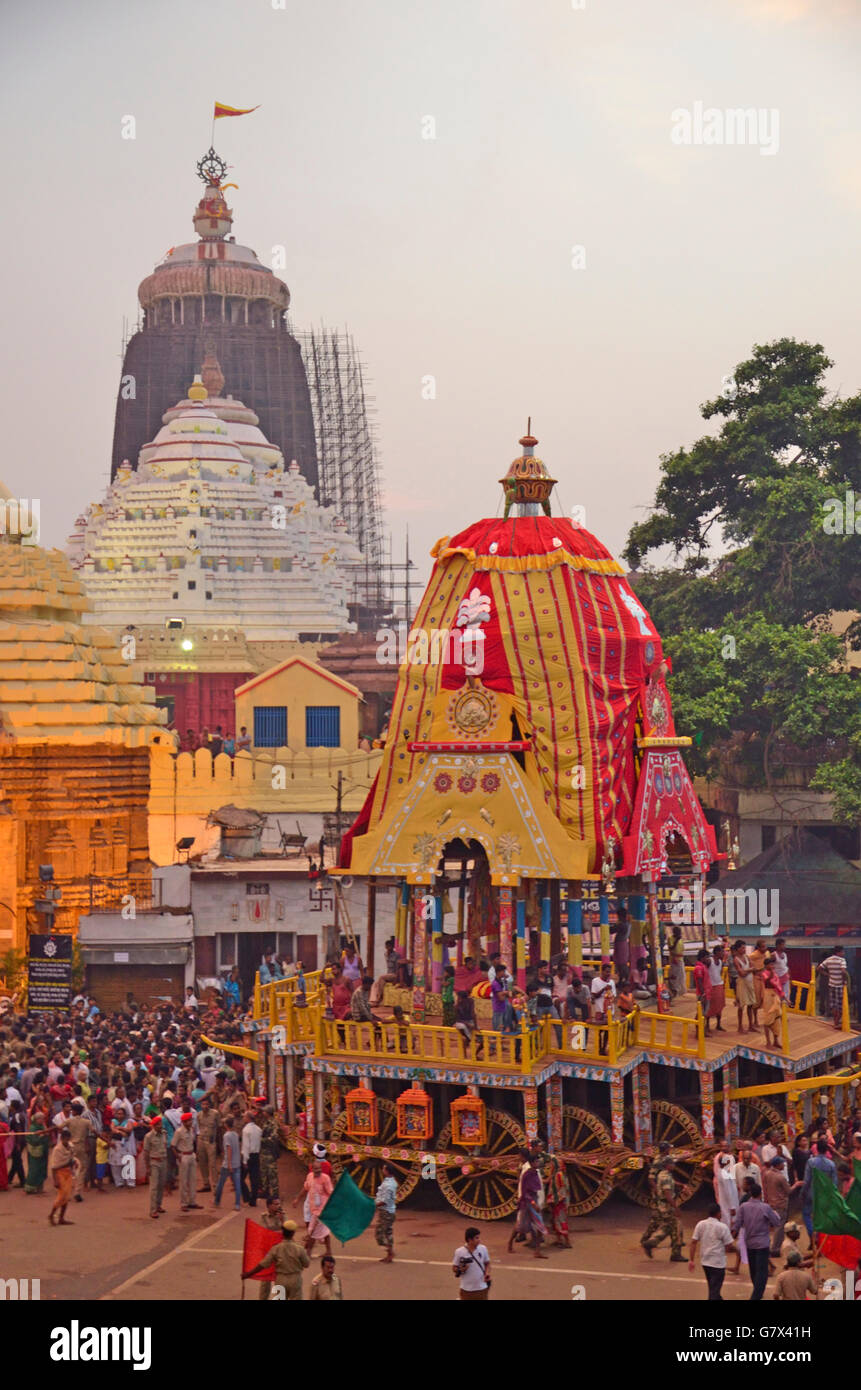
x=702, y=983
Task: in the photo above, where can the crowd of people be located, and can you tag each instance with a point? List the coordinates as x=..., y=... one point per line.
x=99, y=1102
x=755, y=1187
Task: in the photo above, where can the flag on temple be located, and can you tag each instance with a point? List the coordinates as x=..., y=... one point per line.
x=256, y=1246
x=841, y=1247
x=222, y=110
x=349, y=1211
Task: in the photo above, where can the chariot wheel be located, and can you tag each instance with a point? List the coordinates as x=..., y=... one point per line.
x=584, y=1136
x=681, y=1131
x=755, y=1118
x=366, y=1170
x=483, y=1182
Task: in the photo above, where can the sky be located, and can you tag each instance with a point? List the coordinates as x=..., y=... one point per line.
x=454, y=257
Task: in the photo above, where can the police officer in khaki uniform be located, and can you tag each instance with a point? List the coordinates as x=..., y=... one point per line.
x=208, y=1135
x=155, y=1148
x=80, y=1130
x=183, y=1145
x=287, y=1261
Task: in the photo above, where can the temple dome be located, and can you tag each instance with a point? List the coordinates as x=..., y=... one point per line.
x=62, y=682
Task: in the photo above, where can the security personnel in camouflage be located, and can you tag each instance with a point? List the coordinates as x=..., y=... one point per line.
x=663, y=1222
x=270, y=1150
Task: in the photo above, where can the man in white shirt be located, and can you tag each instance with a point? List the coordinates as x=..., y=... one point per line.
x=712, y=1237
x=471, y=1265
x=603, y=992
x=774, y=1148
x=250, y=1146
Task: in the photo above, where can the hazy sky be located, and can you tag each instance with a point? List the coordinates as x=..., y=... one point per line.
x=449, y=257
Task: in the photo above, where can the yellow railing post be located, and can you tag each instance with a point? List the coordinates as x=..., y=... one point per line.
x=612, y=1039
x=701, y=1032
x=844, y=1020
x=811, y=994
x=257, y=1009
x=273, y=1007
x=784, y=1027
x=525, y=1061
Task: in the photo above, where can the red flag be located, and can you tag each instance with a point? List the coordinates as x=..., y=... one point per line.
x=258, y=1242
x=842, y=1250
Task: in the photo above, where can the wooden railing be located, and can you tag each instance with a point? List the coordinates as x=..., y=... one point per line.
x=670, y=1033
x=802, y=996
x=262, y=999
x=421, y=1042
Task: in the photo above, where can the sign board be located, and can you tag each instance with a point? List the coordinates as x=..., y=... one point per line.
x=49, y=974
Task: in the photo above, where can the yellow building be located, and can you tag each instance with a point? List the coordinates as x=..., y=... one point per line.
x=299, y=705
x=303, y=723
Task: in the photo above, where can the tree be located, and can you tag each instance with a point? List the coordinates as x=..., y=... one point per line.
x=758, y=675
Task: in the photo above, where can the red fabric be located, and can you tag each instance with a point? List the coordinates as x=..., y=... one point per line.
x=359, y=826
x=341, y=994
x=256, y=1246
x=533, y=535
x=842, y=1250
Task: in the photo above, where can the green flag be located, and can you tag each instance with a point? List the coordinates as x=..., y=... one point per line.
x=853, y=1196
x=832, y=1215
x=349, y=1211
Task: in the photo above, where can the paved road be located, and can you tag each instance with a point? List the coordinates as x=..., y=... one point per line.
x=114, y=1251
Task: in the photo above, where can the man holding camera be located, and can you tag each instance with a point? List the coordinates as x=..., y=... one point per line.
x=471, y=1266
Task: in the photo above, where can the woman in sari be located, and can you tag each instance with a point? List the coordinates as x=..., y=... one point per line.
x=560, y=1197
x=529, y=1219
x=37, y=1154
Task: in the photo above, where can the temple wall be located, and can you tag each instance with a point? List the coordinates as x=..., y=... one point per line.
x=186, y=787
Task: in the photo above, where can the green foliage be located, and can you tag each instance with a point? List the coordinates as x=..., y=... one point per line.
x=13, y=968
x=760, y=486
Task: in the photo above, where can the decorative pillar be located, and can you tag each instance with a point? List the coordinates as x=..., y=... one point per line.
x=461, y=900
x=554, y=1113
x=729, y=1073
x=707, y=1099
x=617, y=1108
x=655, y=941
x=370, y=944
x=530, y=1112
x=506, y=925
x=604, y=924
x=419, y=952
x=290, y=1068
x=402, y=915
x=319, y=1106
x=575, y=928
x=642, y=1106
x=521, y=943
x=310, y=1106
x=793, y=1116
x=545, y=924
x=555, y=918
x=436, y=945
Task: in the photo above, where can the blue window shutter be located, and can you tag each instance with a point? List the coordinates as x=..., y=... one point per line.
x=323, y=726
x=270, y=726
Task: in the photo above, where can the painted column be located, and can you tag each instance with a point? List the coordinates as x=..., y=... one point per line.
x=604, y=924
x=707, y=1097
x=575, y=930
x=545, y=925
x=637, y=927
x=436, y=945
x=319, y=1105
x=310, y=1107
x=403, y=915
x=792, y=1110
x=290, y=1068
x=334, y=1093
x=419, y=953
x=729, y=1073
x=530, y=1112
x=642, y=1107
x=521, y=943
x=506, y=925
x=461, y=900
x=617, y=1108
x=554, y=1113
